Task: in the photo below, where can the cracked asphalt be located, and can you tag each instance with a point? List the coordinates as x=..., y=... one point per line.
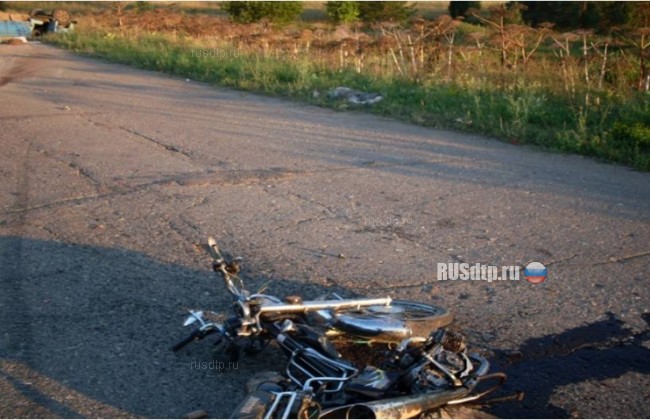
x=111, y=178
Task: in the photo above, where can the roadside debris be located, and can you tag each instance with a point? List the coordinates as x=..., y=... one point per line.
x=58, y=20
x=39, y=22
x=13, y=17
x=19, y=40
x=355, y=97
x=10, y=27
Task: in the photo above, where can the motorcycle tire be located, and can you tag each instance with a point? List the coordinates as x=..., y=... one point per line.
x=421, y=318
x=62, y=16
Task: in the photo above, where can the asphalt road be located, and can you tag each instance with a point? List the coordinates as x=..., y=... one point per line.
x=111, y=178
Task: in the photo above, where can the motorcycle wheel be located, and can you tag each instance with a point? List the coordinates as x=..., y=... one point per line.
x=62, y=16
x=421, y=318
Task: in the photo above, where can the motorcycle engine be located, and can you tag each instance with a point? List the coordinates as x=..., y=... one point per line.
x=446, y=348
x=431, y=376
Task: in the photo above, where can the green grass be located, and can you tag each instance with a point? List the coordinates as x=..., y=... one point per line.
x=607, y=126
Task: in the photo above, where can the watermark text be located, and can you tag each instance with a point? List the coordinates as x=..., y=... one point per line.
x=215, y=53
x=214, y=365
x=466, y=271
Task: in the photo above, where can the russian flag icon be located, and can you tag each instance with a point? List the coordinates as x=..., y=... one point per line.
x=535, y=272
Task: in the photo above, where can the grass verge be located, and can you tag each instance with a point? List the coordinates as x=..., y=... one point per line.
x=599, y=124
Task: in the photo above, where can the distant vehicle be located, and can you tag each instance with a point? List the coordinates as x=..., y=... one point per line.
x=58, y=20
x=39, y=22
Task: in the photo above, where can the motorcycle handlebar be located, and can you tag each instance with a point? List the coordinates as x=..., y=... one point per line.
x=187, y=340
x=214, y=249
x=200, y=334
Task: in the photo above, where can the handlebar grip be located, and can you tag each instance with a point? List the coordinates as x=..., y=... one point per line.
x=214, y=249
x=187, y=340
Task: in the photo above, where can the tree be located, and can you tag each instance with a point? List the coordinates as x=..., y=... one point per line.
x=369, y=11
x=143, y=6
x=253, y=11
x=461, y=8
x=342, y=11
x=3, y=6
x=384, y=11
x=118, y=10
x=602, y=15
x=637, y=35
x=503, y=20
x=560, y=13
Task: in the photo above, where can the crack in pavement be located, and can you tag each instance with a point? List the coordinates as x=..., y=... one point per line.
x=300, y=222
x=236, y=177
x=611, y=260
x=624, y=258
x=137, y=134
x=81, y=171
x=393, y=287
x=561, y=260
x=158, y=143
x=39, y=116
x=75, y=199
x=221, y=177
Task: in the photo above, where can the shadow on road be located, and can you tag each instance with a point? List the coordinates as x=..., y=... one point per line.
x=86, y=332
x=594, y=352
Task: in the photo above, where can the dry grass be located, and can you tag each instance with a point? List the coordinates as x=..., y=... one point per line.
x=427, y=50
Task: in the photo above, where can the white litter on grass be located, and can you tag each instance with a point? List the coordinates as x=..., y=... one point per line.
x=355, y=97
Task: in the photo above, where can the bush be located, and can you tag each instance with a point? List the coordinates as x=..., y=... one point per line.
x=3, y=6
x=342, y=11
x=635, y=136
x=384, y=11
x=253, y=11
x=143, y=6
x=461, y=8
x=572, y=14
